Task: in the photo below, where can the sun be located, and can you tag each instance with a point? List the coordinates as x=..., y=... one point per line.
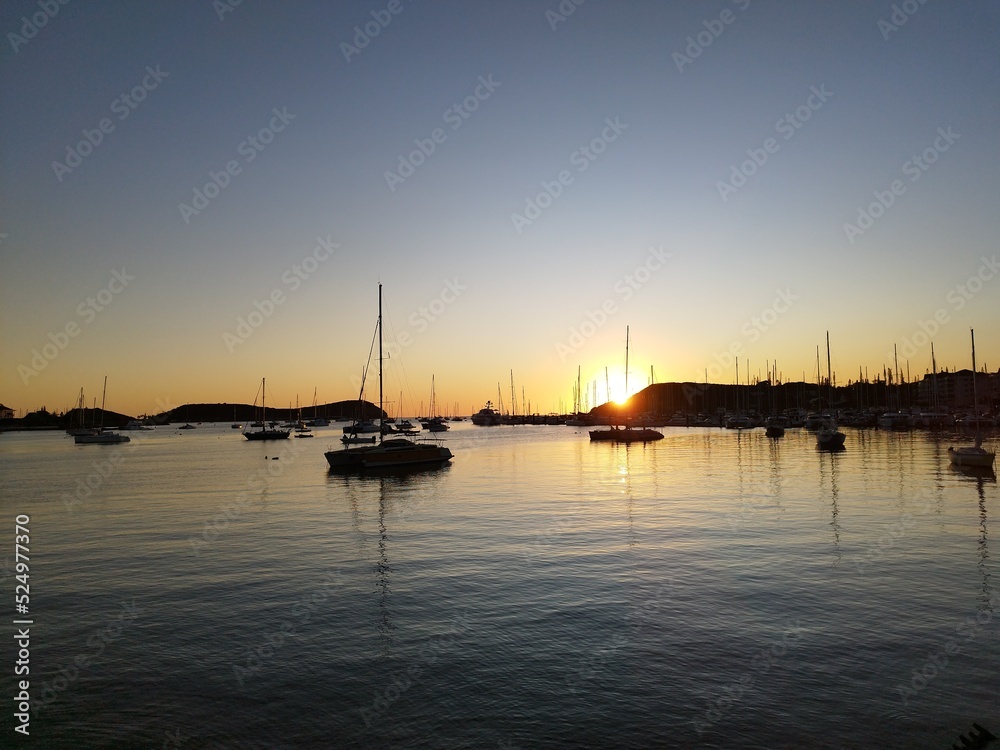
x=618, y=394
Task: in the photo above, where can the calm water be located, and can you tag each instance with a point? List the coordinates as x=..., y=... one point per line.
x=715, y=589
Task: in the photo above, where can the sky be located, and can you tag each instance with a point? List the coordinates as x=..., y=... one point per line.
x=196, y=196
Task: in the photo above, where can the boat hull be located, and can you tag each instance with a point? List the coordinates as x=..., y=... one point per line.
x=389, y=455
x=626, y=435
x=266, y=435
x=102, y=438
x=830, y=440
x=968, y=457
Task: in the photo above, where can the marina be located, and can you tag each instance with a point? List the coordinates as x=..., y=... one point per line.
x=544, y=590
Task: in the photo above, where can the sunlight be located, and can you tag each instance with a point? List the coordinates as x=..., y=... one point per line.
x=617, y=394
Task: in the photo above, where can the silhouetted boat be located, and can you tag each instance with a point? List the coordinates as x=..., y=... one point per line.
x=263, y=433
x=357, y=440
x=101, y=437
x=775, y=427
x=388, y=454
x=626, y=434
x=487, y=416
x=81, y=429
x=973, y=456
x=828, y=437
x=437, y=424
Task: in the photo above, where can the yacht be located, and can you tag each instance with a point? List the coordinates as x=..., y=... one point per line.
x=487, y=416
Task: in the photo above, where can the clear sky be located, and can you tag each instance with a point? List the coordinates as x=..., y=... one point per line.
x=525, y=182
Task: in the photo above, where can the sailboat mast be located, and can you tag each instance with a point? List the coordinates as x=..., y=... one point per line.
x=829, y=372
x=895, y=366
x=513, y=396
x=578, y=395
x=626, y=363
x=105, y=392
x=819, y=383
x=934, y=381
x=975, y=394
x=380, y=361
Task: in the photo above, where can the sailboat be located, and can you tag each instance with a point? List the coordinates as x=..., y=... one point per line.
x=391, y=453
x=101, y=437
x=264, y=433
x=81, y=428
x=828, y=437
x=436, y=422
x=973, y=456
x=577, y=419
x=626, y=434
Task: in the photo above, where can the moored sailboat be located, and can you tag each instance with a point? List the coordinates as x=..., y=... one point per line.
x=626, y=433
x=828, y=437
x=264, y=433
x=393, y=453
x=101, y=437
x=973, y=456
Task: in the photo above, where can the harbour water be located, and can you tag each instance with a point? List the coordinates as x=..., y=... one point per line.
x=714, y=589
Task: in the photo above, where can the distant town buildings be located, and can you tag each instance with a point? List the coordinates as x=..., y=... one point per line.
x=953, y=390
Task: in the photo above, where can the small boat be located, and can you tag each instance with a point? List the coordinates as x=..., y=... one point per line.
x=136, y=424
x=775, y=427
x=815, y=421
x=101, y=437
x=828, y=437
x=437, y=424
x=739, y=422
x=304, y=434
x=626, y=434
x=264, y=433
x=361, y=428
x=187, y=427
x=356, y=440
x=973, y=456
